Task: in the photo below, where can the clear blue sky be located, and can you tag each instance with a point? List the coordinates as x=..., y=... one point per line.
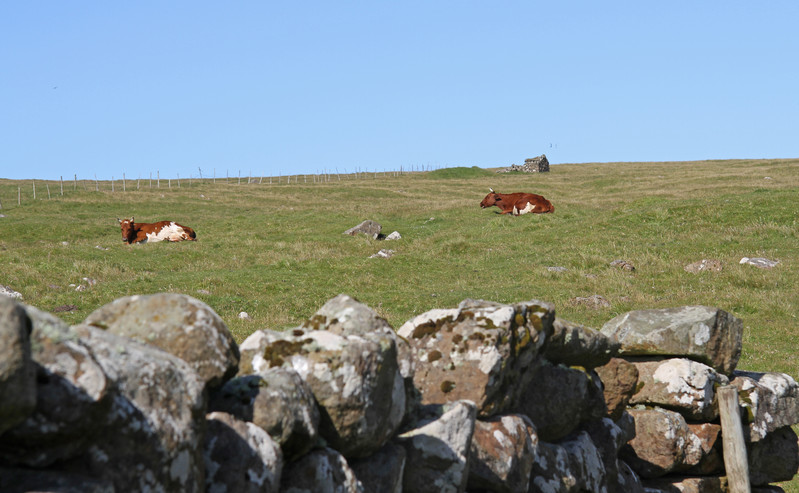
x=264, y=87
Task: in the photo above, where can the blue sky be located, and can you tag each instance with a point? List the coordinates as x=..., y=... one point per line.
x=105, y=88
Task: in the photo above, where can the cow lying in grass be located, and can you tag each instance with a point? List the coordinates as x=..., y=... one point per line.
x=517, y=203
x=151, y=232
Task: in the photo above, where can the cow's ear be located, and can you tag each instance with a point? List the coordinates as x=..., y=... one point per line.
x=490, y=190
x=131, y=218
x=119, y=220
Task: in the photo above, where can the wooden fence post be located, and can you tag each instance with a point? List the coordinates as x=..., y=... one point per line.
x=19, y=195
x=735, y=462
x=112, y=183
x=158, y=179
x=96, y=185
x=62, y=186
x=124, y=188
x=48, y=190
x=76, y=182
x=34, y=189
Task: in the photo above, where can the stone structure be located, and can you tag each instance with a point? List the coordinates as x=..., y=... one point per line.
x=538, y=164
x=484, y=397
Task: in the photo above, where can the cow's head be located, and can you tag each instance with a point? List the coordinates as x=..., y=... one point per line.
x=491, y=199
x=128, y=233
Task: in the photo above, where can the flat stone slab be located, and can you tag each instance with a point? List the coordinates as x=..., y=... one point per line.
x=702, y=333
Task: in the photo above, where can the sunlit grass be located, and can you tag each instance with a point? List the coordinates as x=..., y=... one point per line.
x=278, y=252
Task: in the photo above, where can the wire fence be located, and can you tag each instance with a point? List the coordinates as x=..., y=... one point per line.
x=40, y=189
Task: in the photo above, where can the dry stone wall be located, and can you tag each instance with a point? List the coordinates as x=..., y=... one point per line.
x=151, y=393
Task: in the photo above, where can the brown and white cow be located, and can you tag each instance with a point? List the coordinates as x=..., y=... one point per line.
x=517, y=203
x=151, y=232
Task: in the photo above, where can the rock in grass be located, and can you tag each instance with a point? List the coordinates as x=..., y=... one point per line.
x=179, y=324
x=368, y=227
x=760, y=262
x=710, y=265
x=7, y=291
x=705, y=334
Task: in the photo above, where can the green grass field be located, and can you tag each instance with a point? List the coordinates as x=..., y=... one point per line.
x=277, y=251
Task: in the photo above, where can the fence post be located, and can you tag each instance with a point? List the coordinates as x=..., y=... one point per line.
x=76, y=182
x=124, y=188
x=112, y=183
x=48, y=190
x=735, y=462
x=62, y=186
x=96, y=185
x=34, y=189
x=178, y=180
x=19, y=195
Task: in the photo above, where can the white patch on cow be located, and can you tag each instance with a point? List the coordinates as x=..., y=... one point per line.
x=530, y=207
x=172, y=232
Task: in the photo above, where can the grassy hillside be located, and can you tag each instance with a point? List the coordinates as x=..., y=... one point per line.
x=278, y=252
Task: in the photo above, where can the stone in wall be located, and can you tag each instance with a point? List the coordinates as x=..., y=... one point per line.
x=240, y=457
x=481, y=351
x=382, y=471
x=619, y=378
x=322, y=470
x=683, y=484
x=73, y=396
x=346, y=316
x=355, y=380
x=577, y=345
x=708, y=335
x=438, y=449
x=663, y=443
x=502, y=454
x=13, y=480
x=156, y=421
x=573, y=465
x=279, y=402
x=769, y=400
x=179, y=324
x=17, y=370
x=712, y=462
x=681, y=385
x=774, y=458
x=559, y=399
